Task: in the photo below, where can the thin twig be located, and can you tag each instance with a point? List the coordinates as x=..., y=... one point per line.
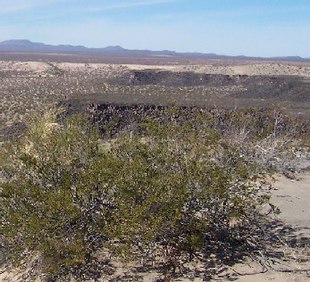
x=250, y=273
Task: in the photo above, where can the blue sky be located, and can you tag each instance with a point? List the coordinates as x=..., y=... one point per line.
x=232, y=27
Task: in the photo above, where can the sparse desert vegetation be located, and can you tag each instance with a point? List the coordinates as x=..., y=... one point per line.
x=152, y=173
x=27, y=86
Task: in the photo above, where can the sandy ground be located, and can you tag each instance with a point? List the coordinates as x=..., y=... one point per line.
x=244, y=69
x=293, y=199
x=251, y=68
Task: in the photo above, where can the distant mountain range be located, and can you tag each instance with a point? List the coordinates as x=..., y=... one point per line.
x=25, y=45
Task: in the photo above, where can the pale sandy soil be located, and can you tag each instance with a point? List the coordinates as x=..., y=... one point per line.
x=244, y=69
x=252, y=68
x=293, y=199
x=23, y=66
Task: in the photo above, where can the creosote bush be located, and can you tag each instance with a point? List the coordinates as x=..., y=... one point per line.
x=160, y=195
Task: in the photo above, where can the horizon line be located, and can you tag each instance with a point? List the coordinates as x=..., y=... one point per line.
x=153, y=50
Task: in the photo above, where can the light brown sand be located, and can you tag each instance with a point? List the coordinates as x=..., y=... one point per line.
x=251, y=68
x=293, y=199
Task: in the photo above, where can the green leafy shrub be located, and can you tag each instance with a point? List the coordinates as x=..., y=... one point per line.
x=67, y=194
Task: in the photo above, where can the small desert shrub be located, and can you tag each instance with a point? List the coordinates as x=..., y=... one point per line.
x=68, y=194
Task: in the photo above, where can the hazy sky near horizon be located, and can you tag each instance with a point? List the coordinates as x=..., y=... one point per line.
x=232, y=27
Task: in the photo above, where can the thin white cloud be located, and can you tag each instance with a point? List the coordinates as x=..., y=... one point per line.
x=124, y=5
x=12, y=6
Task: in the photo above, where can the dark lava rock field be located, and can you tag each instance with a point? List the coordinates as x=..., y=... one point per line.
x=28, y=87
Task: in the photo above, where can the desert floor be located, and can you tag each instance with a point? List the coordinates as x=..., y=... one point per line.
x=293, y=198
x=29, y=85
